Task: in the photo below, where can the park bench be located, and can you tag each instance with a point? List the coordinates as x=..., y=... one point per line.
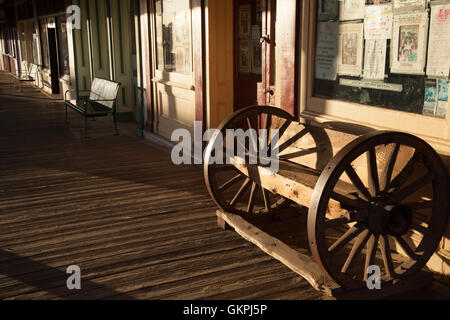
x=100, y=101
x=28, y=76
x=375, y=200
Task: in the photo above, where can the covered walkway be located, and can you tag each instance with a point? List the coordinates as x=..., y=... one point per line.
x=137, y=226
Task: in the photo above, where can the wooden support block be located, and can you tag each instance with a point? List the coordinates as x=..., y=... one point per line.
x=223, y=224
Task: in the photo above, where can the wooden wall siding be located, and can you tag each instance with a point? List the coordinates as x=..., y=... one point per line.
x=81, y=48
x=100, y=44
x=219, y=56
x=121, y=45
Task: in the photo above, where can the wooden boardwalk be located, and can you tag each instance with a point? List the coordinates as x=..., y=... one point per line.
x=137, y=226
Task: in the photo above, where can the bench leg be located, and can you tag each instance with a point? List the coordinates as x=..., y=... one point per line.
x=67, y=116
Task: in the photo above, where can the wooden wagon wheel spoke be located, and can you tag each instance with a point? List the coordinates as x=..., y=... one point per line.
x=251, y=199
x=406, y=173
x=413, y=187
x=346, y=238
x=420, y=229
x=240, y=192
x=386, y=177
x=231, y=182
x=265, y=199
x=281, y=133
x=357, y=182
x=348, y=202
x=359, y=244
x=405, y=246
x=374, y=182
x=254, y=140
x=387, y=256
x=371, y=254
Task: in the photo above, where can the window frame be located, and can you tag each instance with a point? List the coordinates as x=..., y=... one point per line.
x=167, y=76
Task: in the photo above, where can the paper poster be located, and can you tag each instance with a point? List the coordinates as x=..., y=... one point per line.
x=436, y=97
x=350, y=49
x=352, y=9
x=378, y=22
x=409, y=5
x=328, y=10
x=245, y=22
x=375, y=59
x=431, y=92
x=327, y=51
x=439, y=43
x=442, y=105
x=245, y=57
x=409, y=44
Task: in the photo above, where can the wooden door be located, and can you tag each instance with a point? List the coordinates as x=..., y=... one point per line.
x=264, y=28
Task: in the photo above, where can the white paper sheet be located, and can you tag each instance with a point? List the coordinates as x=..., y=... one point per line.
x=439, y=43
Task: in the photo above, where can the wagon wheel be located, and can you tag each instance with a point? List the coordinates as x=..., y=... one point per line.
x=393, y=217
x=232, y=190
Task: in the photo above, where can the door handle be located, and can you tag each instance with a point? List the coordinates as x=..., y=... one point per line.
x=264, y=39
x=269, y=91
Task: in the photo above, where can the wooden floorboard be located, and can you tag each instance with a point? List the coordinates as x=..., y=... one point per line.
x=137, y=225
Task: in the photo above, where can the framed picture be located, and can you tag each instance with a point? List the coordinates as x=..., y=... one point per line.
x=409, y=5
x=328, y=10
x=409, y=44
x=245, y=22
x=350, y=53
x=245, y=57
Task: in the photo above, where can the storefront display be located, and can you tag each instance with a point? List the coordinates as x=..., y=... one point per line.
x=391, y=54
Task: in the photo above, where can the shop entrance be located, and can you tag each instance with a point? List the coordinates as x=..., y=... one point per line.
x=257, y=24
x=254, y=36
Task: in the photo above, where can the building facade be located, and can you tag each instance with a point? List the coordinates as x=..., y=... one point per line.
x=186, y=61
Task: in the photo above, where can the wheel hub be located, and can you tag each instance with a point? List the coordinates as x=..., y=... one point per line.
x=386, y=219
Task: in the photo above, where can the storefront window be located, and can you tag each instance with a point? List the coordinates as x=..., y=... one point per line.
x=44, y=44
x=390, y=54
x=173, y=30
x=63, y=47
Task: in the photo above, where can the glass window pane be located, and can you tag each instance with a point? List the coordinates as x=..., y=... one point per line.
x=173, y=36
x=44, y=44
